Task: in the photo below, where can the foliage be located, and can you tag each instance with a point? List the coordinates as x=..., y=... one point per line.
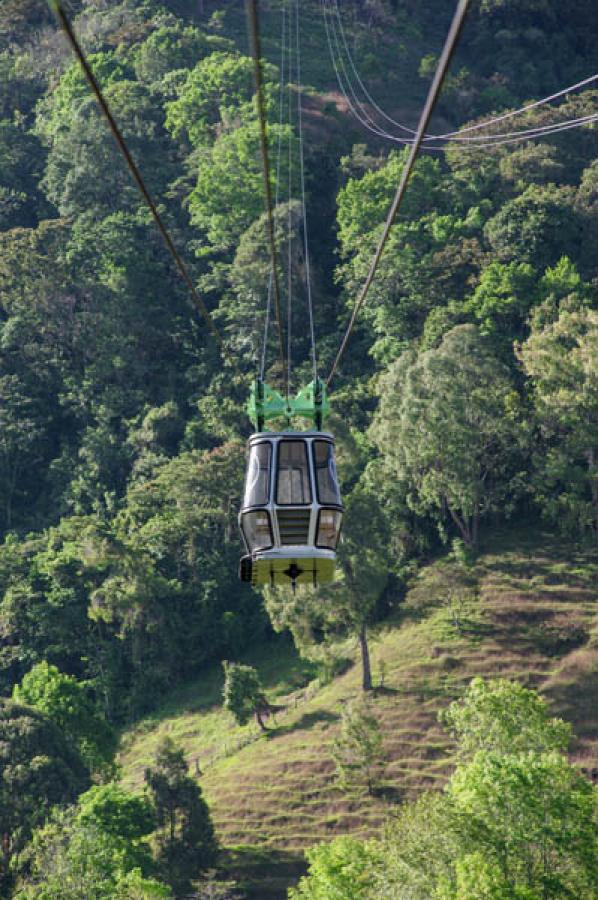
x=67, y=703
x=358, y=750
x=75, y=858
x=560, y=358
x=243, y=693
x=186, y=844
x=39, y=769
x=337, y=870
x=503, y=717
x=126, y=818
x=516, y=819
x=450, y=427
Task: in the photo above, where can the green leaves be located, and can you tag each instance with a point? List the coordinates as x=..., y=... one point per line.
x=243, y=693
x=449, y=427
x=515, y=822
x=67, y=703
x=560, y=358
x=358, y=750
x=219, y=89
x=185, y=837
x=503, y=717
x=532, y=817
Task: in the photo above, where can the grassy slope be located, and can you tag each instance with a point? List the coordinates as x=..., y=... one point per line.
x=531, y=615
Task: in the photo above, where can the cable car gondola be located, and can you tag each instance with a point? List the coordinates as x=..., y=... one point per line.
x=292, y=511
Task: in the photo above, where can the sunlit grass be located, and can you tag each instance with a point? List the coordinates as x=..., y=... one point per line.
x=278, y=791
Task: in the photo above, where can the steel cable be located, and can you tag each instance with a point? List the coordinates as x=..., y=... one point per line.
x=467, y=143
x=277, y=188
x=433, y=94
x=256, y=49
x=65, y=24
x=303, y=201
x=456, y=135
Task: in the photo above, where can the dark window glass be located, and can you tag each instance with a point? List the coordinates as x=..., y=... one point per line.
x=293, y=485
x=257, y=482
x=328, y=491
x=257, y=531
x=329, y=528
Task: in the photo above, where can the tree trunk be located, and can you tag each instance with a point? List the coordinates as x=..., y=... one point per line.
x=462, y=525
x=261, y=711
x=365, y=658
x=591, y=458
x=475, y=532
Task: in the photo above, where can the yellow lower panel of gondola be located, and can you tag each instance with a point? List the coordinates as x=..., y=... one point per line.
x=292, y=570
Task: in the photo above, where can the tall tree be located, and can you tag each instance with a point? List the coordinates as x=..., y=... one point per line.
x=39, y=769
x=68, y=703
x=185, y=835
x=560, y=358
x=243, y=694
x=450, y=428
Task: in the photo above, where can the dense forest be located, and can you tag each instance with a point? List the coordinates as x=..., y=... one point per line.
x=468, y=400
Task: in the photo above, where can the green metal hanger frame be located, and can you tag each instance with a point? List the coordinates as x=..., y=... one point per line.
x=266, y=404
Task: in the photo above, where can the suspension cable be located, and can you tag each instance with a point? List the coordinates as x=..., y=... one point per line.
x=65, y=24
x=356, y=107
x=303, y=201
x=256, y=49
x=290, y=210
x=462, y=134
x=433, y=94
x=283, y=38
x=466, y=143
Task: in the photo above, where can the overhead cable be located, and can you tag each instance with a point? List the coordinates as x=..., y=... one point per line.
x=460, y=134
x=303, y=200
x=433, y=94
x=256, y=49
x=290, y=210
x=467, y=142
x=283, y=38
x=65, y=24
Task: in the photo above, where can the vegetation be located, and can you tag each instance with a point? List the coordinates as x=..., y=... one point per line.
x=515, y=820
x=185, y=835
x=358, y=750
x=466, y=406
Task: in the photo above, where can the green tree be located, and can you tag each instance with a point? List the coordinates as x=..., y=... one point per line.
x=450, y=428
x=358, y=750
x=216, y=92
x=531, y=817
x=515, y=822
x=74, y=858
x=124, y=817
x=67, y=702
x=39, y=769
x=233, y=164
x=20, y=434
x=171, y=47
x=243, y=693
x=504, y=717
x=537, y=227
x=185, y=836
x=338, y=870
x=560, y=358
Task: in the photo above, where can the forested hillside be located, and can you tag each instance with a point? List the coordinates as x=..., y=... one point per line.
x=465, y=407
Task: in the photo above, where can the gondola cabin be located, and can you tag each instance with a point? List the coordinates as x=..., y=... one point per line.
x=291, y=513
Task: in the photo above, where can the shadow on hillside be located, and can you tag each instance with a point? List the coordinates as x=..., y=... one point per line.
x=307, y=720
x=383, y=690
x=553, y=565
x=574, y=694
x=263, y=873
x=389, y=793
